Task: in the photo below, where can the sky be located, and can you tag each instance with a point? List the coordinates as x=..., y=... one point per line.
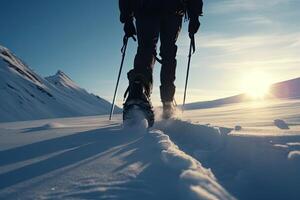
x=240, y=42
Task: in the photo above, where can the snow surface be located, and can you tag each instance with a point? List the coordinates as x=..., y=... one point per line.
x=24, y=95
x=265, y=117
x=93, y=158
x=97, y=161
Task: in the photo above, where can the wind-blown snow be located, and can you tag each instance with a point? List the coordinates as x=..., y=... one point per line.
x=24, y=95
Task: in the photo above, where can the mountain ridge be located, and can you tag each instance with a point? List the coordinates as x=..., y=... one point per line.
x=289, y=89
x=25, y=95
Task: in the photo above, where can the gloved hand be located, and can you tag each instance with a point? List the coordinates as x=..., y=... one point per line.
x=194, y=25
x=129, y=28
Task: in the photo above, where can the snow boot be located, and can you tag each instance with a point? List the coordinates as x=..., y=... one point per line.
x=138, y=104
x=169, y=110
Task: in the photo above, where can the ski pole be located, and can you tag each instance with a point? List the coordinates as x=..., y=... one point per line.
x=191, y=51
x=123, y=51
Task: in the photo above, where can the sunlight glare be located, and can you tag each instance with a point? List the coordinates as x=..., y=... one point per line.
x=256, y=84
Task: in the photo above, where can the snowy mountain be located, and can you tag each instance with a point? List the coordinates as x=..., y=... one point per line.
x=26, y=96
x=289, y=89
x=216, y=103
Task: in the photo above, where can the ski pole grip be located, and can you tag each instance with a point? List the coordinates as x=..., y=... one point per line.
x=193, y=45
x=125, y=40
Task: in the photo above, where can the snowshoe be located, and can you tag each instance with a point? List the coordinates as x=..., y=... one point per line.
x=138, y=114
x=137, y=106
x=169, y=110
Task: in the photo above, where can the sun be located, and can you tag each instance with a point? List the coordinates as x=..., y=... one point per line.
x=256, y=84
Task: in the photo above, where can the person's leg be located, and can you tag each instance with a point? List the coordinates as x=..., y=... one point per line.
x=170, y=28
x=148, y=26
x=140, y=77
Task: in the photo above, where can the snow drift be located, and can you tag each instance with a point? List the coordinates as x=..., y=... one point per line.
x=195, y=181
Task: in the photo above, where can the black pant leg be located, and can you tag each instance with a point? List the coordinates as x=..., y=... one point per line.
x=169, y=31
x=148, y=27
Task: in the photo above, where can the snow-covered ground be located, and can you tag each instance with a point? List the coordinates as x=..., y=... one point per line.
x=93, y=158
x=260, y=117
x=260, y=158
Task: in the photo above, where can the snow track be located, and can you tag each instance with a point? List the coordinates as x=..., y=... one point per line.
x=242, y=163
x=195, y=181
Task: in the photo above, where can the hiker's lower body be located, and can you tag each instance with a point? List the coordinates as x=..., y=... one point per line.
x=151, y=27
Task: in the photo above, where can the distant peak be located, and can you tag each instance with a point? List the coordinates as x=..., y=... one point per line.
x=61, y=78
x=61, y=73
